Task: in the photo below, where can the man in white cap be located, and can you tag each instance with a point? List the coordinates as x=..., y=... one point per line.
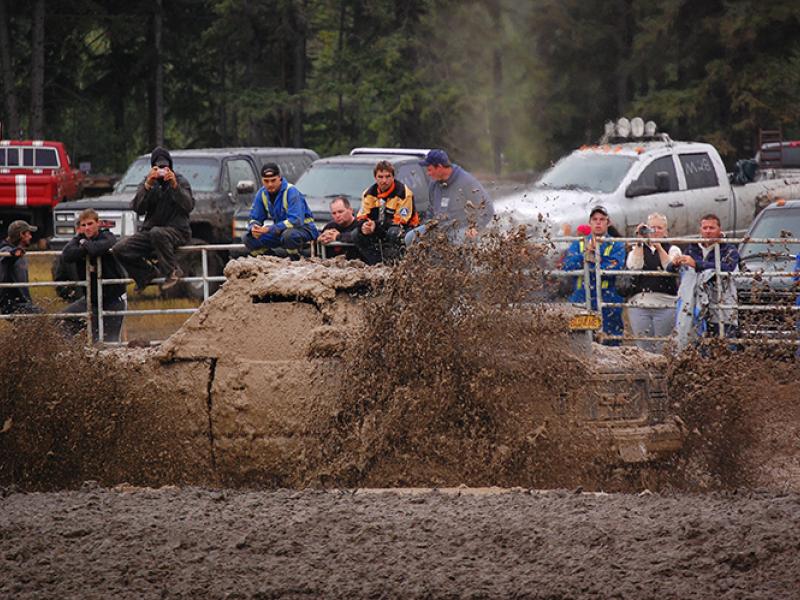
x=14, y=269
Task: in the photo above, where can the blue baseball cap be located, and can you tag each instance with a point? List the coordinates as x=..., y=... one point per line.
x=435, y=157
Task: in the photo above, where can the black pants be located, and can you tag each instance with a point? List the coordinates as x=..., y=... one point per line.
x=112, y=325
x=19, y=307
x=136, y=251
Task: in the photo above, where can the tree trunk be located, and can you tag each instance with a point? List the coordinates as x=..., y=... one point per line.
x=496, y=119
x=624, y=58
x=37, y=72
x=11, y=126
x=299, y=74
x=339, y=62
x=223, y=105
x=156, y=85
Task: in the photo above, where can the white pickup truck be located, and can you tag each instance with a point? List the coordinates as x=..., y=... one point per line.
x=633, y=177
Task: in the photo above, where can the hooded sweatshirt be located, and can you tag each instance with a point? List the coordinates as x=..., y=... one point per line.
x=161, y=205
x=461, y=200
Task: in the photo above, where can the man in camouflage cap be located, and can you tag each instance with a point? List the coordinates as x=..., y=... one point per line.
x=14, y=269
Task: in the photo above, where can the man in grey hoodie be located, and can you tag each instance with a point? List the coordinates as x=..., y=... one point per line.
x=457, y=200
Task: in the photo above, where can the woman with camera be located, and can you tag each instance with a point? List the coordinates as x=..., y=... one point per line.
x=652, y=307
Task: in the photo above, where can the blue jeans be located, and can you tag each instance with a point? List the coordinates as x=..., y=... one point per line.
x=413, y=235
x=291, y=239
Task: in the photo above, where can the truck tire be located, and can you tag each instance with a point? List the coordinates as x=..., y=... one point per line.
x=191, y=264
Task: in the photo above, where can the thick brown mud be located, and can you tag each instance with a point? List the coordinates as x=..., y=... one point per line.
x=195, y=543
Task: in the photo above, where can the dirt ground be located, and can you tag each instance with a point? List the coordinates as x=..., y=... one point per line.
x=197, y=543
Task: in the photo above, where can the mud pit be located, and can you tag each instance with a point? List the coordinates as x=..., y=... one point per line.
x=193, y=543
x=186, y=415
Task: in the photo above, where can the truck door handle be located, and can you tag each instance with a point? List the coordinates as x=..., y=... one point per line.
x=721, y=199
x=676, y=204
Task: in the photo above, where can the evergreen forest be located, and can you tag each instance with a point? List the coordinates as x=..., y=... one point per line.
x=505, y=86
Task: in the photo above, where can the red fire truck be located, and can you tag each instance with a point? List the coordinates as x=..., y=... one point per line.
x=35, y=175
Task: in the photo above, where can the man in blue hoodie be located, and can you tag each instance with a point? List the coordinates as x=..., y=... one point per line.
x=292, y=221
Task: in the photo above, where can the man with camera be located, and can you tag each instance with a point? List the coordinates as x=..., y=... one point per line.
x=612, y=257
x=165, y=199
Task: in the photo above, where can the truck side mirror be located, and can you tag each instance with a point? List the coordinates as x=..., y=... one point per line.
x=246, y=187
x=662, y=181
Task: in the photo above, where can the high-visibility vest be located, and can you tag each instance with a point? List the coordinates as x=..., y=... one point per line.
x=604, y=282
x=286, y=222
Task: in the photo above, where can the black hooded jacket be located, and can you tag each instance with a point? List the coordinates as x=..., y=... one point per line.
x=80, y=247
x=12, y=270
x=161, y=205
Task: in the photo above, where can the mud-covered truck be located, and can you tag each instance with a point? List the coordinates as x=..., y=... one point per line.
x=634, y=171
x=257, y=391
x=35, y=175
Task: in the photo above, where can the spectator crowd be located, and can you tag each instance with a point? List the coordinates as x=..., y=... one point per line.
x=685, y=294
x=678, y=292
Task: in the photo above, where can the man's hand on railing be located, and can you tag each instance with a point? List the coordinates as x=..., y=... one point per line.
x=328, y=236
x=684, y=261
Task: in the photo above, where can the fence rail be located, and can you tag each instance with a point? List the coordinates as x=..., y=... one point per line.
x=553, y=243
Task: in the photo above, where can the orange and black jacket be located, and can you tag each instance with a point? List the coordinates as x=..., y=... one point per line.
x=394, y=207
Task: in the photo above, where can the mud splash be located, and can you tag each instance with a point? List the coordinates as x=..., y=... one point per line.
x=742, y=418
x=451, y=382
x=334, y=374
x=70, y=414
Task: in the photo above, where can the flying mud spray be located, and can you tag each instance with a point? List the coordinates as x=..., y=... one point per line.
x=440, y=371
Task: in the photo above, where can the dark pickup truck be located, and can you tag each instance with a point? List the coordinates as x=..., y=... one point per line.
x=222, y=179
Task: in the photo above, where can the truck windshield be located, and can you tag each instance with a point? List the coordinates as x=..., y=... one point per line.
x=783, y=223
x=202, y=173
x=588, y=171
x=328, y=179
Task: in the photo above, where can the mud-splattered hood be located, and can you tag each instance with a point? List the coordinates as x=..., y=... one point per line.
x=547, y=209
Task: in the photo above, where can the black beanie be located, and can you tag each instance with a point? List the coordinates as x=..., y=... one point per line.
x=160, y=153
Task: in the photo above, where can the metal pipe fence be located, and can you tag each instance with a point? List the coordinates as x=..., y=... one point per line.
x=719, y=275
x=102, y=313
x=599, y=273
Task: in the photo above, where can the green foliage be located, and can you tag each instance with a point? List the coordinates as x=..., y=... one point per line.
x=496, y=82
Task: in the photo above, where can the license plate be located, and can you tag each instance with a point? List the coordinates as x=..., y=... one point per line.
x=584, y=322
